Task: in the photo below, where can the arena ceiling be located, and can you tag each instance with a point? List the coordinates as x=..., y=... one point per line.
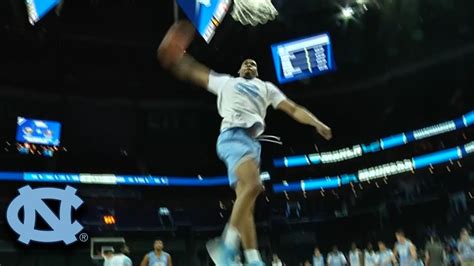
x=402, y=64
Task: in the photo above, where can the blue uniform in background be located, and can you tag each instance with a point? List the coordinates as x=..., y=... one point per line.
x=154, y=260
x=404, y=255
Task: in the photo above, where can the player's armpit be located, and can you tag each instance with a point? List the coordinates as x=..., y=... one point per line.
x=287, y=106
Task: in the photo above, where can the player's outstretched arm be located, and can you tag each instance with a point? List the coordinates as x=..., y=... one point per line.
x=173, y=57
x=303, y=116
x=145, y=261
x=413, y=252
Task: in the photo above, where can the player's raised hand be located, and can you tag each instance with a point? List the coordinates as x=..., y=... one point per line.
x=174, y=44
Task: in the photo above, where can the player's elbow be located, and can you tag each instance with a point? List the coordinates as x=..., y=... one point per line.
x=163, y=60
x=169, y=57
x=300, y=108
x=298, y=112
x=293, y=110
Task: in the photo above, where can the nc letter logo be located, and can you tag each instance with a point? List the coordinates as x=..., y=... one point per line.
x=31, y=200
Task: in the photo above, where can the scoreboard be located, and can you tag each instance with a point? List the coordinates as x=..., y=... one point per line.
x=303, y=58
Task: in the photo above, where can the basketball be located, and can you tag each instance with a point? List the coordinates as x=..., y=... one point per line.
x=174, y=45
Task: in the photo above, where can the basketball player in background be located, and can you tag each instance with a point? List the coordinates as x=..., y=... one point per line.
x=107, y=255
x=157, y=257
x=385, y=256
x=336, y=258
x=276, y=261
x=370, y=256
x=355, y=256
x=318, y=258
x=466, y=248
x=242, y=103
x=121, y=258
x=404, y=250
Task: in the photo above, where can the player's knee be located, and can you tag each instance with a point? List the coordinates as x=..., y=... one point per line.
x=254, y=188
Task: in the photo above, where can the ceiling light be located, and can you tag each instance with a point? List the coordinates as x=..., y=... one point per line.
x=347, y=12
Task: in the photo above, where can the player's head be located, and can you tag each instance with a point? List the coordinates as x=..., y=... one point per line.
x=435, y=239
x=317, y=252
x=400, y=235
x=370, y=247
x=158, y=245
x=307, y=263
x=108, y=252
x=125, y=250
x=353, y=246
x=335, y=249
x=381, y=245
x=464, y=234
x=248, y=69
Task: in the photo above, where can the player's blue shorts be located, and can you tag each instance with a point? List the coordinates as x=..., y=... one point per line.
x=235, y=146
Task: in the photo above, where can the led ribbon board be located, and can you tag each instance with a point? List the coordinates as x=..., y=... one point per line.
x=390, y=142
x=377, y=172
x=111, y=179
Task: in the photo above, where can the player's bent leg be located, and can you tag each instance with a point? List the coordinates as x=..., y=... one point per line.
x=248, y=188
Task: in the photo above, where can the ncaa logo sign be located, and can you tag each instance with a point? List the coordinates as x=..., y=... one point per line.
x=31, y=200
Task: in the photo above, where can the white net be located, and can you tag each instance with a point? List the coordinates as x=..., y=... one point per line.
x=253, y=12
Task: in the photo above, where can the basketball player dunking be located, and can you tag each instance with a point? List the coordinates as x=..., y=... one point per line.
x=242, y=103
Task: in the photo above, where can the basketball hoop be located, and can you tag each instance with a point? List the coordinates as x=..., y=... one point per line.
x=253, y=12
